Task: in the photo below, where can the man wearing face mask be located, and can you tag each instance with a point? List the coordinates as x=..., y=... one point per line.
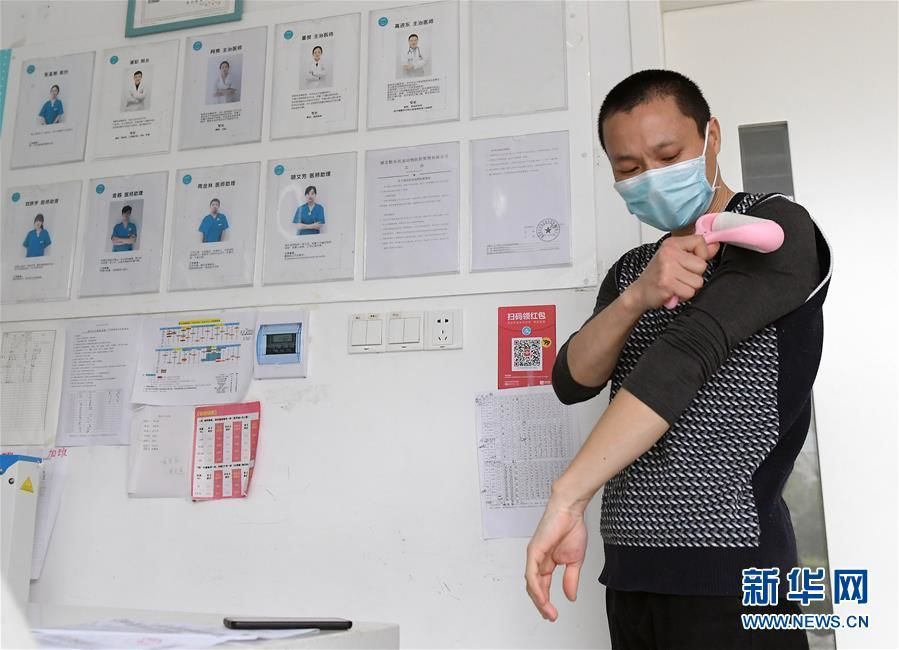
x=710, y=402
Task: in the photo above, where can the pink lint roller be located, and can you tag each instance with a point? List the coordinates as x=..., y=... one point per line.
x=759, y=235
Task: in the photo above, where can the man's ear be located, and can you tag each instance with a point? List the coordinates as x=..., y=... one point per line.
x=715, y=134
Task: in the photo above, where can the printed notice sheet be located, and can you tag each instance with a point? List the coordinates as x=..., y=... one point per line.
x=214, y=241
x=412, y=211
x=224, y=451
x=53, y=472
x=224, y=75
x=310, y=227
x=25, y=363
x=316, y=77
x=518, y=57
x=413, y=64
x=137, y=100
x=38, y=239
x=151, y=13
x=160, y=453
x=123, y=241
x=526, y=439
x=205, y=359
x=97, y=381
x=53, y=110
x=520, y=202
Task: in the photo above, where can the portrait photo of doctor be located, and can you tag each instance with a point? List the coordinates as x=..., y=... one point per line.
x=225, y=87
x=136, y=96
x=52, y=111
x=316, y=73
x=37, y=240
x=412, y=59
x=214, y=224
x=124, y=233
x=311, y=214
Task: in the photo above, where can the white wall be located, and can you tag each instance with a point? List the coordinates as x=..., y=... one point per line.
x=830, y=70
x=365, y=499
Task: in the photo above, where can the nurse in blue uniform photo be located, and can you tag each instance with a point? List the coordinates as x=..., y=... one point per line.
x=37, y=240
x=125, y=233
x=214, y=224
x=52, y=111
x=311, y=214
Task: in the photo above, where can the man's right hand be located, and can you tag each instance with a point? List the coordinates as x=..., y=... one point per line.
x=675, y=270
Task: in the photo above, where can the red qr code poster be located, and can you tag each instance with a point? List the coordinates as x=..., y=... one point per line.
x=527, y=346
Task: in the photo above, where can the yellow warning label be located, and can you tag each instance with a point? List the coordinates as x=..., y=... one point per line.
x=27, y=486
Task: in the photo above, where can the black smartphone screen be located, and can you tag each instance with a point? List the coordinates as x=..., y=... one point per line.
x=263, y=623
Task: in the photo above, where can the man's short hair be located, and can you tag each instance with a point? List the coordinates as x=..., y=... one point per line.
x=136, y=72
x=215, y=201
x=319, y=48
x=126, y=209
x=411, y=35
x=224, y=63
x=311, y=188
x=647, y=85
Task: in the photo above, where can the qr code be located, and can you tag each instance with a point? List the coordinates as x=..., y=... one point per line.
x=527, y=354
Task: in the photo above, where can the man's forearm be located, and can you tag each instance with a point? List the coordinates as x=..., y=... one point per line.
x=593, y=352
x=626, y=430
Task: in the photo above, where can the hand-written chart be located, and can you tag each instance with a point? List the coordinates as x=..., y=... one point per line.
x=25, y=361
x=189, y=361
x=526, y=439
x=224, y=452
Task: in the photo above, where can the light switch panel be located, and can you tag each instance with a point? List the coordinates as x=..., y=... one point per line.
x=365, y=333
x=405, y=331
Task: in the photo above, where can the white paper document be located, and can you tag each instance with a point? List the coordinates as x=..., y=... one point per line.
x=123, y=242
x=53, y=110
x=123, y=633
x=412, y=211
x=151, y=13
x=316, y=77
x=159, y=458
x=214, y=238
x=221, y=101
x=25, y=362
x=97, y=381
x=137, y=99
x=205, y=359
x=310, y=228
x=521, y=202
x=518, y=57
x=526, y=439
x=413, y=64
x=38, y=230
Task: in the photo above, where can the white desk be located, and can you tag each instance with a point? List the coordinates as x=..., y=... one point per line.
x=361, y=635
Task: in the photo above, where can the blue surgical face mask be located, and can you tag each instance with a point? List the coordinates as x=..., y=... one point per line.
x=670, y=198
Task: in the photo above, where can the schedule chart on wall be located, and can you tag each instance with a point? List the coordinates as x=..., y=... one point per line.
x=189, y=361
x=25, y=363
x=224, y=451
x=526, y=439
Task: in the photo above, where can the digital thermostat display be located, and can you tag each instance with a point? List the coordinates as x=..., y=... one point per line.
x=281, y=343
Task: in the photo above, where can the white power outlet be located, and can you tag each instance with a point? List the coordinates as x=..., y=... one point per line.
x=443, y=330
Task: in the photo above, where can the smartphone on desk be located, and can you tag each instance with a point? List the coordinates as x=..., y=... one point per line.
x=271, y=623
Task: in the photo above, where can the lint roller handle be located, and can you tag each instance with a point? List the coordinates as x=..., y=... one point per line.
x=752, y=233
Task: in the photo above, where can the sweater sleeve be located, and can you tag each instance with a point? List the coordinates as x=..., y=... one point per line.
x=567, y=389
x=747, y=292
